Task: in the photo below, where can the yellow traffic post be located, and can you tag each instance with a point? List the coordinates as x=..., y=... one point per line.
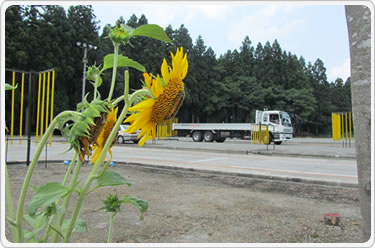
x=12, y=117
x=21, y=107
x=346, y=127
x=37, y=109
x=52, y=98
x=342, y=127
x=42, y=112
x=47, y=100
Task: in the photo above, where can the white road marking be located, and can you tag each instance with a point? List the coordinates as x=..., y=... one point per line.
x=206, y=160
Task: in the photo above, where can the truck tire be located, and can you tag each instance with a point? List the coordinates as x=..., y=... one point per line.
x=278, y=142
x=197, y=136
x=220, y=140
x=208, y=136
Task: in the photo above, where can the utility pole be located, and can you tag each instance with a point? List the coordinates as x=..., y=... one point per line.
x=84, y=61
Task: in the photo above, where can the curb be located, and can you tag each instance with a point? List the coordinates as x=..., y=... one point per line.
x=256, y=152
x=156, y=167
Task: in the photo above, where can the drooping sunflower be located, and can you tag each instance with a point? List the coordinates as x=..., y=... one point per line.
x=103, y=136
x=166, y=100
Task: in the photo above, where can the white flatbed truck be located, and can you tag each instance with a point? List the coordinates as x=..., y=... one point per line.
x=279, y=126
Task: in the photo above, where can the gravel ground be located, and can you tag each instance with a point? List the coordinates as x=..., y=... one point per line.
x=191, y=207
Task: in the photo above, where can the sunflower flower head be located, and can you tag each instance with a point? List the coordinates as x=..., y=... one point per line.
x=166, y=99
x=103, y=136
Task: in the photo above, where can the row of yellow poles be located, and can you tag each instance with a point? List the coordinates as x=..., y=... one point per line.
x=342, y=127
x=259, y=134
x=49, y=116
x=46, y=101
x=165, y=130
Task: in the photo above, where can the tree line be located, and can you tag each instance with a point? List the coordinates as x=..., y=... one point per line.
x=225, y=88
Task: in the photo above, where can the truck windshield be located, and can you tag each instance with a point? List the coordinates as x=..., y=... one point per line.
x=285, y=119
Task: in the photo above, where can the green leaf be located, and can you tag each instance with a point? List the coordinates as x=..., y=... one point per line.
x=10, y=87
x=45, y=195
x=123, y=61
x=142, y=205
x=111, y=178
x=38, y=222
x=79, y=227
x=152, y=31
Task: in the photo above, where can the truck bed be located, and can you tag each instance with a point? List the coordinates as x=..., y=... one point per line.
x=213, y=126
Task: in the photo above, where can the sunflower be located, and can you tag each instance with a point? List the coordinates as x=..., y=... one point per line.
x=166, y=100
x=103, y=136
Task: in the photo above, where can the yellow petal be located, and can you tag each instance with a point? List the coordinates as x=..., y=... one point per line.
x=142, y=141
x=157, y=88
x=165, y=71
x=148, y=79
x=140, y=106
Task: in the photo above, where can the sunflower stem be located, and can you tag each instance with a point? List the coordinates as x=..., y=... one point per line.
x=67, y=198
x=119, y=99
x=114, y=70
x=138, y=93
x=94, y=170
x=96, y=87
x=126, y=88
x=34, y=162
x=52, y=218
x=111, y=216
x=70, y=168
x=9, y=200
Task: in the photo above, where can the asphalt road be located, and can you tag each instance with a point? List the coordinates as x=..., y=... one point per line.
x=303, y=159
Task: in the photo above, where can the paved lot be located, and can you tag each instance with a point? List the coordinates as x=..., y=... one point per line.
x=312, y=160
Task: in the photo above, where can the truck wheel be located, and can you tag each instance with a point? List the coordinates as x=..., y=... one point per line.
x=278, y=142
x=208, y=136
x=197, y=136
x=120, y=139
x=220, y=140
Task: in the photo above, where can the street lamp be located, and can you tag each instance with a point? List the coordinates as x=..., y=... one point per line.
x=84, y=61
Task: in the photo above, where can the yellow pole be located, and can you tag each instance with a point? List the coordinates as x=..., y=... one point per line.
x=47, y=99
x=339, y=126
x=37, y=110
x=346, y=126
x=342, y=128
x=333, y=125
x=12, y=119
x=52, y=98
x=252, y=134
x=21, y=110
x=42, y=114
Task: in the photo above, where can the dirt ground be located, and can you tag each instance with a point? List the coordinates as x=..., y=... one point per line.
x=191, y=207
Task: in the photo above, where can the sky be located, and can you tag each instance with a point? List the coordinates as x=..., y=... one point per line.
x=311, y=31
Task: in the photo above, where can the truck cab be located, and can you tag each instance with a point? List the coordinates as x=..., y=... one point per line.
x=279, y=124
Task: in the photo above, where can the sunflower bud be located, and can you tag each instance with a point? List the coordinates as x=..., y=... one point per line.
x=119, y=35
x=112, y=204
x=93, y=72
